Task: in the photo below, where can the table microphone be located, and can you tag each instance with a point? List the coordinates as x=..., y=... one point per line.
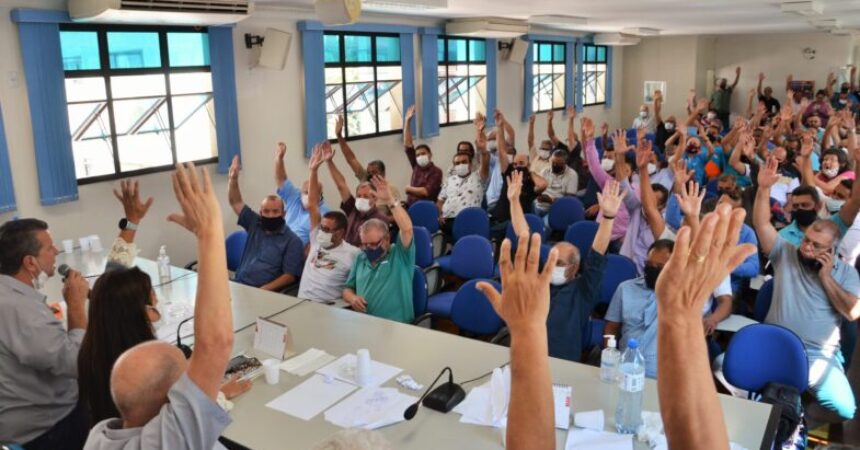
x=442, y=399
x=186, y=350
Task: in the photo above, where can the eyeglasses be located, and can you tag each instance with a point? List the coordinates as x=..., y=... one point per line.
x=815, y=245
x=369, y=245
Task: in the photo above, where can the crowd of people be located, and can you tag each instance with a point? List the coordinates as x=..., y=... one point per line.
x=700, y=207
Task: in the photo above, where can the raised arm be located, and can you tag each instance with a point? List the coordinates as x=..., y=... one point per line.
x=737, y=77
x=610, y=202
x=658, y=105
x=135, y=210
x=853, y=77
x=407, y=132
x=354, y=163
x=501, y=142
x=758, y=89
x=600, y=176
x=339, y=180
x=531, y=138
x=831, y=80
x=646, y=192
x=767, y=177
x=481, y=146
x=280, y=168
x=571, y=129
x=384, y=196
x=213, y=315
x=751, y=99
x=850, y=209
x=690, y=200
x=321, y=154
x=550, y=130
x=518, y=219
x=234, y=196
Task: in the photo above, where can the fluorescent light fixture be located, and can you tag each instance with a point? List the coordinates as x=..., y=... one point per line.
x=844, y=32
x=826, y=24
x=413, y=5
x=641, y=31
x=558, y=20
x=615, y=39
x=487, y=27
x=809, y=8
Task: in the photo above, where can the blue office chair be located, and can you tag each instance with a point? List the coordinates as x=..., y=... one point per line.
x=581, y=234
x=472, y=312
x=471, y=258
x=592, y=335
x=424, y=258
x=763, y=353
x=565, y=212
x=419, y=296
x=650, y=137
x=598, y=144
x=631, y=136
x=762, y=300
x=618, y=269
x=535, y=226
x=425, y=214
x=471, y=221
x=235, y=245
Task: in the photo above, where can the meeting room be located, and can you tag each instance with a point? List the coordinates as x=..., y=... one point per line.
x=422, y=224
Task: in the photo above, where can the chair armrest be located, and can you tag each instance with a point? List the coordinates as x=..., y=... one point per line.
x=503, y=337
x=435, y=282
x=422, y=318
x=191, y=266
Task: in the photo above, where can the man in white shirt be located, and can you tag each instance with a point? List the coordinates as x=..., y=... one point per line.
x=561, y=180
x=466, y=187
x=644, y=120
x=330, y=258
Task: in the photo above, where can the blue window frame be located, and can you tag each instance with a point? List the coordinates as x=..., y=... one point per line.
x=594, y=74
x=139, y=99
x=549, y=62
x=462, y=79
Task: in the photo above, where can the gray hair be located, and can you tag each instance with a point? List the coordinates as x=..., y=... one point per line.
x=374, y=223
x=355, y=439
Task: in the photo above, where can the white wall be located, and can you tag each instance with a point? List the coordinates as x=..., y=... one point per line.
x=270, y=109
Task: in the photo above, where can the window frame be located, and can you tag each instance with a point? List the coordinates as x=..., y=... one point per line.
x=536, y=63
x=105, y=72
x=343, y=65
x=468, y=62
x=597, y=62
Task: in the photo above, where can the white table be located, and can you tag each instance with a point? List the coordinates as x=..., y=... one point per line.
x=422, y=353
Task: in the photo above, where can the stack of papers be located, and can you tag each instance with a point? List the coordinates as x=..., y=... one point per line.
x=370, y=408
x=579, y=439
x=488, y=404
x=307, y=362
x=310, y=398
x=344, y=370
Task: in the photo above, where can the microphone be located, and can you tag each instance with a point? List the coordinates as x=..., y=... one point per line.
x=186, y=350
x=64, y=270
x=442, y=399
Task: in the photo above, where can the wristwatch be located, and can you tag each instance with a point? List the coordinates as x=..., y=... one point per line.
x=125, y=224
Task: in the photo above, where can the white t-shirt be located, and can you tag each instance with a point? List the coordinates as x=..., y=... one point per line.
x=326, y=270
x=558, y=186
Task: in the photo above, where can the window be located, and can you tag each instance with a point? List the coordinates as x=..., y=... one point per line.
x=462, y=79
x=139, y=99
x=549, y=67
x=363, y=82
x=594, y=74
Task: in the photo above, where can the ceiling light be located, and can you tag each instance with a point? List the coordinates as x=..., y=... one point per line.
x=810, y=8
x=487, y=27
x=405, y=4
x=640, y=31
x=558, y=20
x=826, y=24
x=615, y=39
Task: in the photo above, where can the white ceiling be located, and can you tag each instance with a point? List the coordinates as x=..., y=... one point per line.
x=670, y=16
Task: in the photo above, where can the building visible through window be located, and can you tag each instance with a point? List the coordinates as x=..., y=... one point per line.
x=462, y=79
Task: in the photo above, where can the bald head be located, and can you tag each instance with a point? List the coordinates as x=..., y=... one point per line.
x=141, y=378
x=568, y=257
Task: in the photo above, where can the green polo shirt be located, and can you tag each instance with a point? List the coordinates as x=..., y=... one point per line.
x=388, y=286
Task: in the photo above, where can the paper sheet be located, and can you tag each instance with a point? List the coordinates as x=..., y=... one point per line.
x=579, y=439
x=370, y=408
x=561, y=397
x=344, y=369
x=307, y=362
x=270, y=338
x=310, y=398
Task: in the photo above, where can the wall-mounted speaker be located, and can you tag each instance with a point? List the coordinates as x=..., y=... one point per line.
x=518, y=50
x=276, y=47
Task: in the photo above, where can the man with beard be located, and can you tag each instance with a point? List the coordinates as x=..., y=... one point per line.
x=813, y=292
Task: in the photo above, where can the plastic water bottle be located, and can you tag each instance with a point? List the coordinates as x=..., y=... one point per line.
x=631, y=383
x=609, y=358
x=163, y=265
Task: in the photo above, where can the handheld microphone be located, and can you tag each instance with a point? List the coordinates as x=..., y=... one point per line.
x=442, y=399
x=64, y=270
x=186, y=350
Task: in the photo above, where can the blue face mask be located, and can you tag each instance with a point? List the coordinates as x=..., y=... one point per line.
x=374, y=254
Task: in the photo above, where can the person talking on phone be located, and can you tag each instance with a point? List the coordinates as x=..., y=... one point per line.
x=813, y=292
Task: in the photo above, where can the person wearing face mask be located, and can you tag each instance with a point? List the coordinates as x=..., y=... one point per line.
x=813, y=293
x=494, y=188
x=464, y=188
x=426, y=178
x=359, y=208
x=721, y=99
x=819, y=108
x=38, y=357
x=665, y=128
x=295, y=200
x=539, y=156
x=362, y=174
x=380, y=282
x=273, y=255
x=765, y=96
x=561, y=181
x=330, y=258
x=621, y=169
x=834, y=169
x=644, y=119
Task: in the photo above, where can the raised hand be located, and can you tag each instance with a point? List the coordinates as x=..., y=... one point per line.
x=480, y=122
x=610, y=199
x=702, y=105
x=410, y=113
x=383, y=191
x=786, y=112
x=129, y=196
x=761, y=76
x=317, y=158
x=690, y=199
x=550, y=115
x=691, y=96
x=679, y=168
x=586, y=127
x=604, y=128
x=640, y=135
x=281, y=151
x=807, y=144
x=515, y=185
x=643, y=153
x=201, y=213
x=768, y=174
x=619, y=140
x=235, y=168
x=571, y=112
x=532, y=119
x=738, y=70
x=499, y=117
x=752, y=93
x=338, y=127
x=658, y=95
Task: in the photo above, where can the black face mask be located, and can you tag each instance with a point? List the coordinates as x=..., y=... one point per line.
x=651, y=274
x=272, y=223
x=522, y=170
x=558, y=169
x=844, y=90
x=804, y=217
x=810, y=264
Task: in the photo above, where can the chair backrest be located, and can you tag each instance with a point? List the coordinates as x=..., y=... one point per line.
x=425, y=214
x=423, y=247
x=472, y=312
x=618, y=269
x=762, y=300
x=235, y=244
x=650, y=137
x=565, y=212
x=472, y=257
x=631, y=136
x=581, y=234
x=535, y=226
x=471, y=221
x=419, y=292
x=763, y=353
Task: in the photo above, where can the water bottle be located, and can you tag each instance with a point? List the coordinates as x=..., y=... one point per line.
x=163, y=265
x=631, y=383
x=609, y=361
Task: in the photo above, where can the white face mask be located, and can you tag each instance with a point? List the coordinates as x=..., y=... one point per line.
x=461, y=169
x=652, y=168
x=712, y=116
x=305, y=200
x=543, y=154
x=669, y=126
x=833, y=204
x=324, y=239
x=362, y=204
x=423, y=160
x=607, y=164
x=558, y=275
x=492, y=147
x=643, y=114
x=40, y=279
x=831, y=173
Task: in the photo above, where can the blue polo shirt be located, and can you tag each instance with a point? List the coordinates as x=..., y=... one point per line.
x=267, y=255
x=794, y=235
x=570, y=305
x=297, y=217
x=697, y=163
x=634, y=306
